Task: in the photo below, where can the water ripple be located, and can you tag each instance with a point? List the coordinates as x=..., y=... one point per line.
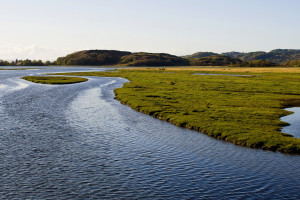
x=294, y=120
x=77, y=142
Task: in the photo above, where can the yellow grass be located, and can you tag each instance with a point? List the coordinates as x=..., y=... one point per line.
x=225, y=69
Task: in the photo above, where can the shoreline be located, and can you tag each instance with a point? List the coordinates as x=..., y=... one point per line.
x=209, y=109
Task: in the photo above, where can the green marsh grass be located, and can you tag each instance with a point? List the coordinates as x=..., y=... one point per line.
x=240, y=109
x=54, y=79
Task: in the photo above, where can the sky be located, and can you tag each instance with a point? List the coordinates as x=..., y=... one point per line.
x=47, y=29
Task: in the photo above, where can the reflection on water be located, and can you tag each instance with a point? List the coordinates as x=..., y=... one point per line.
x=2, y=86
x=294, y=121
x=77, y=142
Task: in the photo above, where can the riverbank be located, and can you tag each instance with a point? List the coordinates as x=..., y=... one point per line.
x=245, y=110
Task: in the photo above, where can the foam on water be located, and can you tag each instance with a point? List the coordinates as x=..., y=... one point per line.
x=20, y=85
x=107, y=84
x=90, y=110
x=3, y=86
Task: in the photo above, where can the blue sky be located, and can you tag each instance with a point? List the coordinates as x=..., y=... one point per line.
x=46, y=29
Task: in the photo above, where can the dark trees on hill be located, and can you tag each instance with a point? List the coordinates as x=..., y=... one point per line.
x=92, y=57
x=106, y=57
x=215, y=60
x=152, y=59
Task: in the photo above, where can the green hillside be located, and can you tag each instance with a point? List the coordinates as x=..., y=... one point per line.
x=277, y=56
x=112, y=57
x=153, y=59
x=286, y=57
x=92, y=57
x=201, y=55
x=214, y=60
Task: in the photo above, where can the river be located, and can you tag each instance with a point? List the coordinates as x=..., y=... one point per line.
x=77, y=142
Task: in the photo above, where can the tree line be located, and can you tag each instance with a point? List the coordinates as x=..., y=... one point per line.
x=26, y=62
x=124, y=58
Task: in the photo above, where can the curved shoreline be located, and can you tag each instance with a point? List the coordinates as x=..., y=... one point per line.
x=168, y=97
x=294, y=122
x=203, y=131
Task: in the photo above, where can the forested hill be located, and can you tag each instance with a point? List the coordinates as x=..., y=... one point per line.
x=287, y=57
x=112, y=57
x=153, y=59
x=215, y=60
x=278, y=56
x=92, y=57
x=124, y=58
x=201, y=55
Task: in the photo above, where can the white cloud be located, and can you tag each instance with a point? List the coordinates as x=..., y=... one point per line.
x=32, y=52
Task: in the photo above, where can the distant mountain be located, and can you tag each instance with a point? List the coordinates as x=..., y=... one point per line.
x=277, y=56
x=92, y=57
x=112, y=57
x=288, y=57
x=258, y=55
x=201, y=55
x=215, y=60
x=153, y=59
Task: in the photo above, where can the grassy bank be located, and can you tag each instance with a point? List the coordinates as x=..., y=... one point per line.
x=244, y=110
x=54, y=79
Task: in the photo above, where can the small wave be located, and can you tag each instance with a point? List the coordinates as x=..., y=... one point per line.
x=107, y=84
x=91, y=110
x=20, y=85
x=3, y=86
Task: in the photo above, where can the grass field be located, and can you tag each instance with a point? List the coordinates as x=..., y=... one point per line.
x=224, y=69
x=244, y=110
x=54, y=79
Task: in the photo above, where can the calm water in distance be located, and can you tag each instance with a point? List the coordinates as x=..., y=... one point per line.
x=294, y=121
x=77, y=142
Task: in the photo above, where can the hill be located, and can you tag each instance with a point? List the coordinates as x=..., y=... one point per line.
x=288, y=57
x=92, y=57
x=277, y=56
x=201, y=55
x=153, y=59
x=112, y=57
x=214, y=60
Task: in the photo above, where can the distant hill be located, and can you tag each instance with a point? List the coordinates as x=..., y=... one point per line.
x=153, y=59
x=93, y=57
x=258, y=55
x=214, y=60
x=201, y=55
x=277, y=56
x=112, y=57
x=292, y=63
x=286, y=57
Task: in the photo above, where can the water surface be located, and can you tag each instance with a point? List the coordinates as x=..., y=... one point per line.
x=77, y=142
x=294, y=121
